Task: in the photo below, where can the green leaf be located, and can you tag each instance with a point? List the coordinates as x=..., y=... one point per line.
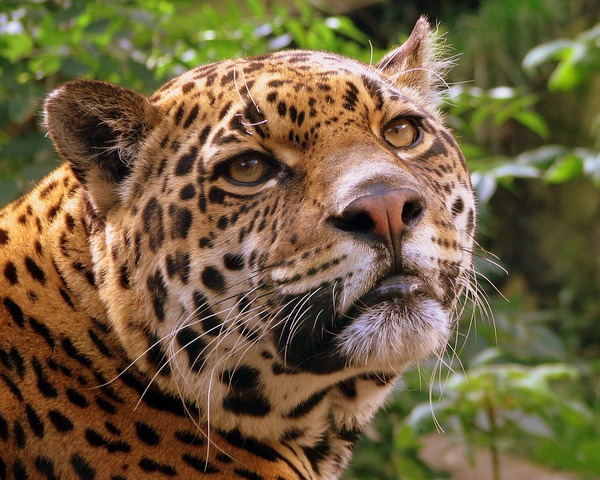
x=545, y=52
x=534, y=121
x=15, y=46
x=565, y=77
x=565, y=169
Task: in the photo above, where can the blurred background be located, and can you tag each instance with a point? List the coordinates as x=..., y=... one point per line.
x=518, y=395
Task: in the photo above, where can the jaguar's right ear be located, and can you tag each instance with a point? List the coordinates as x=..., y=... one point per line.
x=99, y=128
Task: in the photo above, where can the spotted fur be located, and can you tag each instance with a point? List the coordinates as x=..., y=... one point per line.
x=160, y=318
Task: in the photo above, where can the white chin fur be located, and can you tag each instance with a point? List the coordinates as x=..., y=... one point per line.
x=391, y=336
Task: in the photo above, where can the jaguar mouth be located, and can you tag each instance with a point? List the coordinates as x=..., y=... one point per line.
x=399, y=289
x=396, y=287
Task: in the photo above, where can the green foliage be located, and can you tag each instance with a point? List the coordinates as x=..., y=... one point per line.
x=578, y=59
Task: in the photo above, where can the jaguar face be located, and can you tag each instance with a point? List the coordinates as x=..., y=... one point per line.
x=268, y=231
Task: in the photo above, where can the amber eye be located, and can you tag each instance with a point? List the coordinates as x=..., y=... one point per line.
x=247, y=170
x=401, y=133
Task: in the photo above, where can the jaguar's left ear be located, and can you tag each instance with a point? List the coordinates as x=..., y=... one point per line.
x=416, y=64
x=100, y=129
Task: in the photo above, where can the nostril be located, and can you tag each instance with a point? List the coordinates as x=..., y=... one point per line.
x=384, y=214
x=411, y=212
x=359, y=222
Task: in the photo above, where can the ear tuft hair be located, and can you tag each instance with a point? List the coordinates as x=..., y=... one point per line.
x=99, y=128
x=419, y=63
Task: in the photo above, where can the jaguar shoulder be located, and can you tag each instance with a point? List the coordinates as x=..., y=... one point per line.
x=226, y=278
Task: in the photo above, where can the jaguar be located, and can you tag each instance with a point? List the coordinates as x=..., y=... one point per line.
x=226, y=278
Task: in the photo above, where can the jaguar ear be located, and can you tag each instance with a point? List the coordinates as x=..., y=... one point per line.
x=417, y=64
x=99, y=128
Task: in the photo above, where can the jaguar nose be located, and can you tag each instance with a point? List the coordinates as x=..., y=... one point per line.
x=383, y=215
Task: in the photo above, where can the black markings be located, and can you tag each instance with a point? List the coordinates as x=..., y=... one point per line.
x=243, y=377
x=210, y=321
x=458, y=206
x=228, y=78
x=157, y=357
x=189, y=438
x=179, y=265
x=158, y=290
x=307, y=405
x=100, y=345
x=216, y=195
x=10, y=272
x=187, y=192
x=35, y=422
x=348, y=388
x=214, y=279
x=43, y=384
x=61, y=422
x=199, y=464
x=194, y=346
x=186, y=162
x=106, y=405
x=223, y=222
x=12, y=387
x=179, y=115
x=95, y=439
x=19, y=470
x=70, y=222
x=253, y=446
x=43, y=331
x=149, y=465
x=191, y=116
x=351, y=97
x=224, y=110
x=34, y=270
x=317, y=454
x=187, y=87
x=66, y=298
x=157, y=400
x=19, y=434
x=3, y=236
x=146, y=433
x=124, y=277
x=181, y=219
x=83, y=469
x=249, y=475
x=282, y=109
x=379, y=379
x=17, y=361
x=204, y=135
x=3, y=428
x=15, y=311
x=77, y=398
x=245, y=397
x=250, y=403
x=45, y=466
x=233, y=261
x=153, y=224
x=224, y=458
x=74, y=353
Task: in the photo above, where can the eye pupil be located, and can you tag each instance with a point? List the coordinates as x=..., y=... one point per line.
x=401, y=133
x=247, y=170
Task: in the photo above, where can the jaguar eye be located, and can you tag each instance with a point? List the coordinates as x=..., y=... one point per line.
x=247, y=170
x=401, y=132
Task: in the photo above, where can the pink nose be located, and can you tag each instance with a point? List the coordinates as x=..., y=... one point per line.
x=382, y=216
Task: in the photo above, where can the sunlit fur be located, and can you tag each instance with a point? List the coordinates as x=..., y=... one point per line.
x=248, y=303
